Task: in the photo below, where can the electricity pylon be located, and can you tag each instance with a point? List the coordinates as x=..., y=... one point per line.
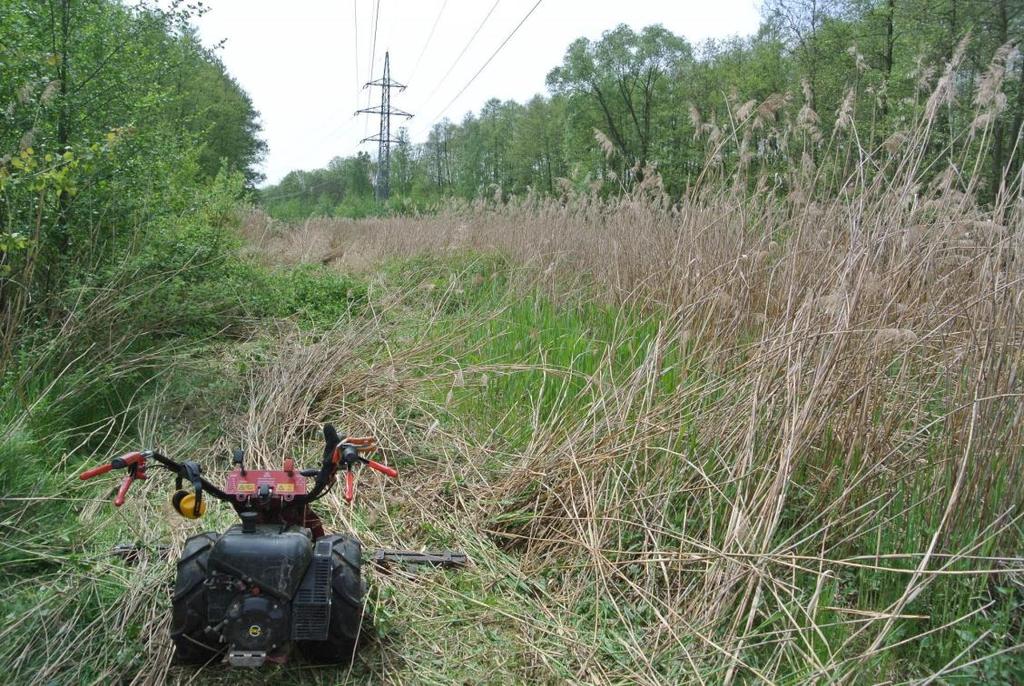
x=384, y=139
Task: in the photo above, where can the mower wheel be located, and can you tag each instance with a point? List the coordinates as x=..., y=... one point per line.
x=348, y=621
x=193, y=641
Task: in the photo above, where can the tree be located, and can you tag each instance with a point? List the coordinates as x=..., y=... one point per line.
x=801, y=23
x=625, y=76
x=110, y=117
x=217, y=112
x=403, y=164
x=741, y=104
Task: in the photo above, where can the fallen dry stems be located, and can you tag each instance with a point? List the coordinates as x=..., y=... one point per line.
x=806, y=467
x=850, y=393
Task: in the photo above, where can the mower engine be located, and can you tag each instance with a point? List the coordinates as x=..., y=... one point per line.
x=267, y=583
x=276, y=579
x=255, y=573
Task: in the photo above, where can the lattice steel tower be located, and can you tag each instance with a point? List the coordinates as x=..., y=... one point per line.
x=384, y=138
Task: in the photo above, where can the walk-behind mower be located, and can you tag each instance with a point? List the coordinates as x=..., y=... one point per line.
x=275, y=579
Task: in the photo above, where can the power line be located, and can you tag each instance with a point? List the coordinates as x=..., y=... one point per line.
x=430, y=37
x=489, y=59
x=373, y=48
x=461, y=54
x=340, y=128
x=385, y=110
x=384, y=139
x=355, y=41
x=373, y=56
x=312, y=188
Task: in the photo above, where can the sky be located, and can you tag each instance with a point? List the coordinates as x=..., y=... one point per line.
x=304, y=62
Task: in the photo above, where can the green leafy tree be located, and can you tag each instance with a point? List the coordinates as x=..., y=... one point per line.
x=636, y=100
x=110, y=116
x=625, y=76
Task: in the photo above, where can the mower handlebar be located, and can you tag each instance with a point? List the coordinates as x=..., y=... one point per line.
x=344, y=451
x=135, y=463
x=126, y=460
x=348, y=454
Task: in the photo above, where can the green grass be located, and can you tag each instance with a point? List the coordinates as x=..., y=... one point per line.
x=506, y=362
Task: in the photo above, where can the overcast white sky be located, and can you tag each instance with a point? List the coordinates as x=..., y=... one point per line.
x=304, y=61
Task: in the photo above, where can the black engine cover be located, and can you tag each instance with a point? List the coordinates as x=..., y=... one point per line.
x=272, y=557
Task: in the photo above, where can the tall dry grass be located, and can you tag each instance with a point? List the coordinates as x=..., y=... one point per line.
x=833, y=478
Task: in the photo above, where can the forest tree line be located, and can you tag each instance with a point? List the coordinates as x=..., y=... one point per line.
x=115, y=121
x=635, y=102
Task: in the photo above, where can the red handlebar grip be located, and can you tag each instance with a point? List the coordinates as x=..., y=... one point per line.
x=350, y=486
x=123, y=491
x=382, y=468
x=95, y=471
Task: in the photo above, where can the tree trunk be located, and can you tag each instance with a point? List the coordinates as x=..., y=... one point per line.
x=952, y=30
x=64, y=122
x=887, y=56
x=1017, y=130
x=998, y=134
x=547, y=160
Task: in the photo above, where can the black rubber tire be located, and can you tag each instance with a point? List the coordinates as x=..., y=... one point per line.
x=193, y=642
x=349, y=624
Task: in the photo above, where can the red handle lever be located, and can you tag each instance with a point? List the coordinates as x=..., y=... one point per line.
x=126, y=460
x=382, y=468
x=96, y=471
x=350, y=486
x=123, y=491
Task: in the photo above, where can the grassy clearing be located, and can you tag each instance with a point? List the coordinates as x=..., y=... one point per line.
x=568, y=446
x=768, y=437
x=753, y=438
